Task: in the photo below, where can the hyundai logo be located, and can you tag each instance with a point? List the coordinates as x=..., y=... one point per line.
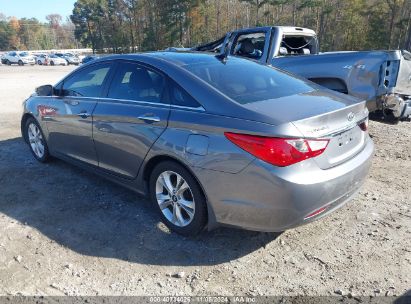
x=350, y=116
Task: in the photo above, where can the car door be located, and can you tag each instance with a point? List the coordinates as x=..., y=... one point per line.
x=70, y=126
x=12, y=57
x=131, y=118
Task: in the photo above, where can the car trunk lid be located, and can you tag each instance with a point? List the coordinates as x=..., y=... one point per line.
x=343, y=129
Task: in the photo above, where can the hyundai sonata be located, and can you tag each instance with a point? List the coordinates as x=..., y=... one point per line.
x=212, y=141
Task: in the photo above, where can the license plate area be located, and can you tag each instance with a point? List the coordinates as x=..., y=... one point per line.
x=342, y=146
x=347, y=139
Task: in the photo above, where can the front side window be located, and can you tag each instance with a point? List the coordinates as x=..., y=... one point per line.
x=87, y=82
x=250, y=45
x=135, y=82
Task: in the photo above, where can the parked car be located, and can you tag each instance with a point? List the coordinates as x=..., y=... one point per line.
x=42, y=59
x=210, y=144
x=20, y=58
x=71, y=59
x=89, y=58
x=3, y=59
x=56, y=60
x=382, y=78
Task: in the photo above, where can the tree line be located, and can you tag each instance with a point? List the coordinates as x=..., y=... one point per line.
x=31, y=34
x=122, y=26
x=140, y=25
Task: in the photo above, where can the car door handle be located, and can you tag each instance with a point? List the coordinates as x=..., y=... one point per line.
x=149, y=118
x=84, y=114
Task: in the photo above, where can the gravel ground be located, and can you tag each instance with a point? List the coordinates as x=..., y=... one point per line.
x=64, y=231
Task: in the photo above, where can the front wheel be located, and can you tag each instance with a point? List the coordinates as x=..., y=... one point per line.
x=39, y=62
x=178, y=198
x=51, y=62
x=20, y=62
x=35, y=138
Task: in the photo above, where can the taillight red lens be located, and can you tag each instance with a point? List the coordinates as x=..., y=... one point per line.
x=279, y=151
x=364, y=125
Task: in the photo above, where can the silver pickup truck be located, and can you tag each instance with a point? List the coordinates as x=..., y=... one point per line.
x=383, y=78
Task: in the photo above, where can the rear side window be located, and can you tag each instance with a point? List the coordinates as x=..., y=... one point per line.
x=245, y=81
x=135, y=82
x=180, y=97
x=87, y=82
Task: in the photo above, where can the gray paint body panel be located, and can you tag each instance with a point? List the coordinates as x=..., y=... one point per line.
x=240, y=190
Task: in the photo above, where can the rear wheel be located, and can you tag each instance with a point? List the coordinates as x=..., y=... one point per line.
x=178, y=198
x=20, y=62
x=51, y=62
x=35, y=138
x=39, y=62
x=8, y=62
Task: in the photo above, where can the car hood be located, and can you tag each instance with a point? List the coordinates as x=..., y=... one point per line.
x=301, y=106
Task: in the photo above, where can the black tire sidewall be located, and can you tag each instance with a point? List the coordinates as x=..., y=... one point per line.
x=200, y=215
x=46, y=155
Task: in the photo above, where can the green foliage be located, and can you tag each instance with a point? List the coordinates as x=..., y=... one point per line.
x=30, y=34
x=129, y=25
x=122, y=26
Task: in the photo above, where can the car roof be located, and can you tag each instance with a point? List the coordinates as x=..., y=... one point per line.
x=179, y=58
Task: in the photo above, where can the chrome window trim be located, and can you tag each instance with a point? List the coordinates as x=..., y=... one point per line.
x=127, y=100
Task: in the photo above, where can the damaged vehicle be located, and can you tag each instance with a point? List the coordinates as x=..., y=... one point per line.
x=209, y=144
x=382, y=78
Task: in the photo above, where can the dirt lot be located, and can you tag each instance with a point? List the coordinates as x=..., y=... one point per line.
x=65, y=231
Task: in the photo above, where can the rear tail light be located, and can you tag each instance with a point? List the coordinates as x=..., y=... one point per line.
x=364, y=125
x=280, y=152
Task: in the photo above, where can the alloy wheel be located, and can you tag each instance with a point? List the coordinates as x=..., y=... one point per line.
x=36, y=140
x=175, y=198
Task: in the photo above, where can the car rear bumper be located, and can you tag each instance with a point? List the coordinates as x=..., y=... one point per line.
x=263, y=197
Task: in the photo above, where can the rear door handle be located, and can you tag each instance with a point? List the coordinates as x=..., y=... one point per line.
x=84, y=114
x=149, y=118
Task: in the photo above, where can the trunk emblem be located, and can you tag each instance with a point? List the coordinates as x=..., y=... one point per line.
x=350, y=116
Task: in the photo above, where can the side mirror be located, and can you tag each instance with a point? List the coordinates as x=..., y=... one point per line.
x=45, y=90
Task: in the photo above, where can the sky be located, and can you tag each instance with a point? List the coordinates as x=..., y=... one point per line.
x=36, y=8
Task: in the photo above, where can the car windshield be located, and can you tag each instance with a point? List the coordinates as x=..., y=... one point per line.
x=53, y=56
x=246, y=81
x=23, y=54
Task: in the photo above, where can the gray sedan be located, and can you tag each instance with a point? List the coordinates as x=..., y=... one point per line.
x=212, y=141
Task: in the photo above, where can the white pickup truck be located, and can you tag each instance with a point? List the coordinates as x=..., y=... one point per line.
x=382, y=78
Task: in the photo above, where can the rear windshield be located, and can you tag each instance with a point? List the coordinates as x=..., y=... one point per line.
x=246, y=81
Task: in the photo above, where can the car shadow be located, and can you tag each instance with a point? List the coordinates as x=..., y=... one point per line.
x=91, y=216
x=404, y=298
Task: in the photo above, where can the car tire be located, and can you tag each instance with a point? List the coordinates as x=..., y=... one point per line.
x=36, y=140
x=39, y=62
x=182, y=207
x=20, y=63
x=51, y=62
x=8, y=62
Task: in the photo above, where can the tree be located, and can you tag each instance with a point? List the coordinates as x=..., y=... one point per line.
x=258, y=4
